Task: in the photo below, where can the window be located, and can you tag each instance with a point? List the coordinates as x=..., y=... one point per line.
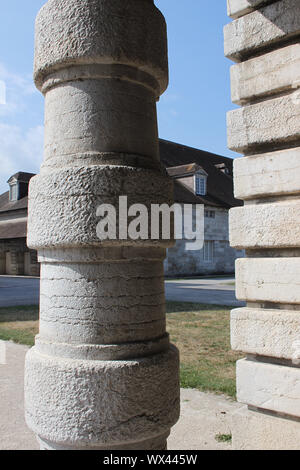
x=208, y=251
x=200, y=185
x=210, y=214
x=13, y=192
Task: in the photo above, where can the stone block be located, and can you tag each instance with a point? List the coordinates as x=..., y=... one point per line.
x=269, y=174
x=269, y=386
x=238, y=8
x=275, y=72
x=271, y=123
x=101, y=404
x=104, y=32
x=267, y=27
x=275, y=225
x=258, y=431
x=265, y=332
x=275, y=280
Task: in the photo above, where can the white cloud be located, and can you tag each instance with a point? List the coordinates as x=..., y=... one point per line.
x=18, y=90
x=19, y=151
x=21, y=139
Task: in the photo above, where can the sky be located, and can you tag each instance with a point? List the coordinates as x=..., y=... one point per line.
x=192, y=111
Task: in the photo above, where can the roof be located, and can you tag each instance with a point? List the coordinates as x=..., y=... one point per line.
x=219, y=184
x=185, y=170
x=13, y=230
x=22, y=176
x=185, y=195
x=6, y=205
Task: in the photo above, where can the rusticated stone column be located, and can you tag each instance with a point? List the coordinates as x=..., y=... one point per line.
x=102, y=374
x=264, y=41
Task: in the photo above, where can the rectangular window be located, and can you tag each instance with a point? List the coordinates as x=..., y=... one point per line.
x=208, y=251
x=210, y=214
x=200, y=185
x=13, y=192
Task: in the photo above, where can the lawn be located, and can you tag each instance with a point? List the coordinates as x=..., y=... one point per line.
x=201, y=333
x=19, y=324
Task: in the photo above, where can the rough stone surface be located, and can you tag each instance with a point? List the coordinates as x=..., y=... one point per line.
x=265, y=332
x=101, y=32
x=270, y=174
x=237, y=8
x=257, y=431
x=103, y=373
x=266, y=225
x=70, y=198
x=266, y=130
x=265, y=75
x=271, y=123
x=274, y=280
x=269, y=386
x=265, y=28
x=134, y=394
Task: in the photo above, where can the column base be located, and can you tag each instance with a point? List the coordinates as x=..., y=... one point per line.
x=255, y=430
x=102, y=405
x=157, y=443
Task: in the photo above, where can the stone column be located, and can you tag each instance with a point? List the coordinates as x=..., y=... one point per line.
x=264, y=41
x=102, y=374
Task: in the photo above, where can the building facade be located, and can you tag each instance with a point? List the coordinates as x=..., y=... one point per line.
x=202, y=178
x=16, y=258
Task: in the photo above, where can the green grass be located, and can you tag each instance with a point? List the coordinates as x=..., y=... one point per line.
x=19, y=324
x=201, y=333
x=224, y=438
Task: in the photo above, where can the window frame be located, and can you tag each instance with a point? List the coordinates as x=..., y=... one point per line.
x=199, y=180
x=209, y=251
x=13, y=192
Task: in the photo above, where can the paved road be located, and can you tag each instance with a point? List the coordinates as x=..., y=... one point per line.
x=18, y=291
x=219, y=291
x=215, y=290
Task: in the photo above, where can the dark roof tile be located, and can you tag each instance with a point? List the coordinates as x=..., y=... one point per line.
x=219, y=185
x=6, y=205
x=13, y=230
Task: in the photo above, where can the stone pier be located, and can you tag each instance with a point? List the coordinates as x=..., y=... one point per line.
x=102, y=374
x=263, y=40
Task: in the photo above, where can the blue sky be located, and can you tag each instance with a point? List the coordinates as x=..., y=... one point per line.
x=192, y=111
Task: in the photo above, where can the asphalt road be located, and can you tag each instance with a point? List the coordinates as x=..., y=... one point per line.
x=18, y=291
x=215, y=290
x=220, y=291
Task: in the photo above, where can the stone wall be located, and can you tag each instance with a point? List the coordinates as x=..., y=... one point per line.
x=16, y=259
x=180, y=262
x=266, y=129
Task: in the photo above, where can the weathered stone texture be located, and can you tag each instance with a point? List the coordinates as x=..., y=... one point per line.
x=101, y=403
x=262, y=76
x=275, y=225
x=269, y=386
x=260, y=431
x=237, y=8
x=102, y=373
x=270, y=174
x=266, y=130
x=101, y=32
x=270, y=123
x=265, y=332
x=264, y=28
x=268, y=280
